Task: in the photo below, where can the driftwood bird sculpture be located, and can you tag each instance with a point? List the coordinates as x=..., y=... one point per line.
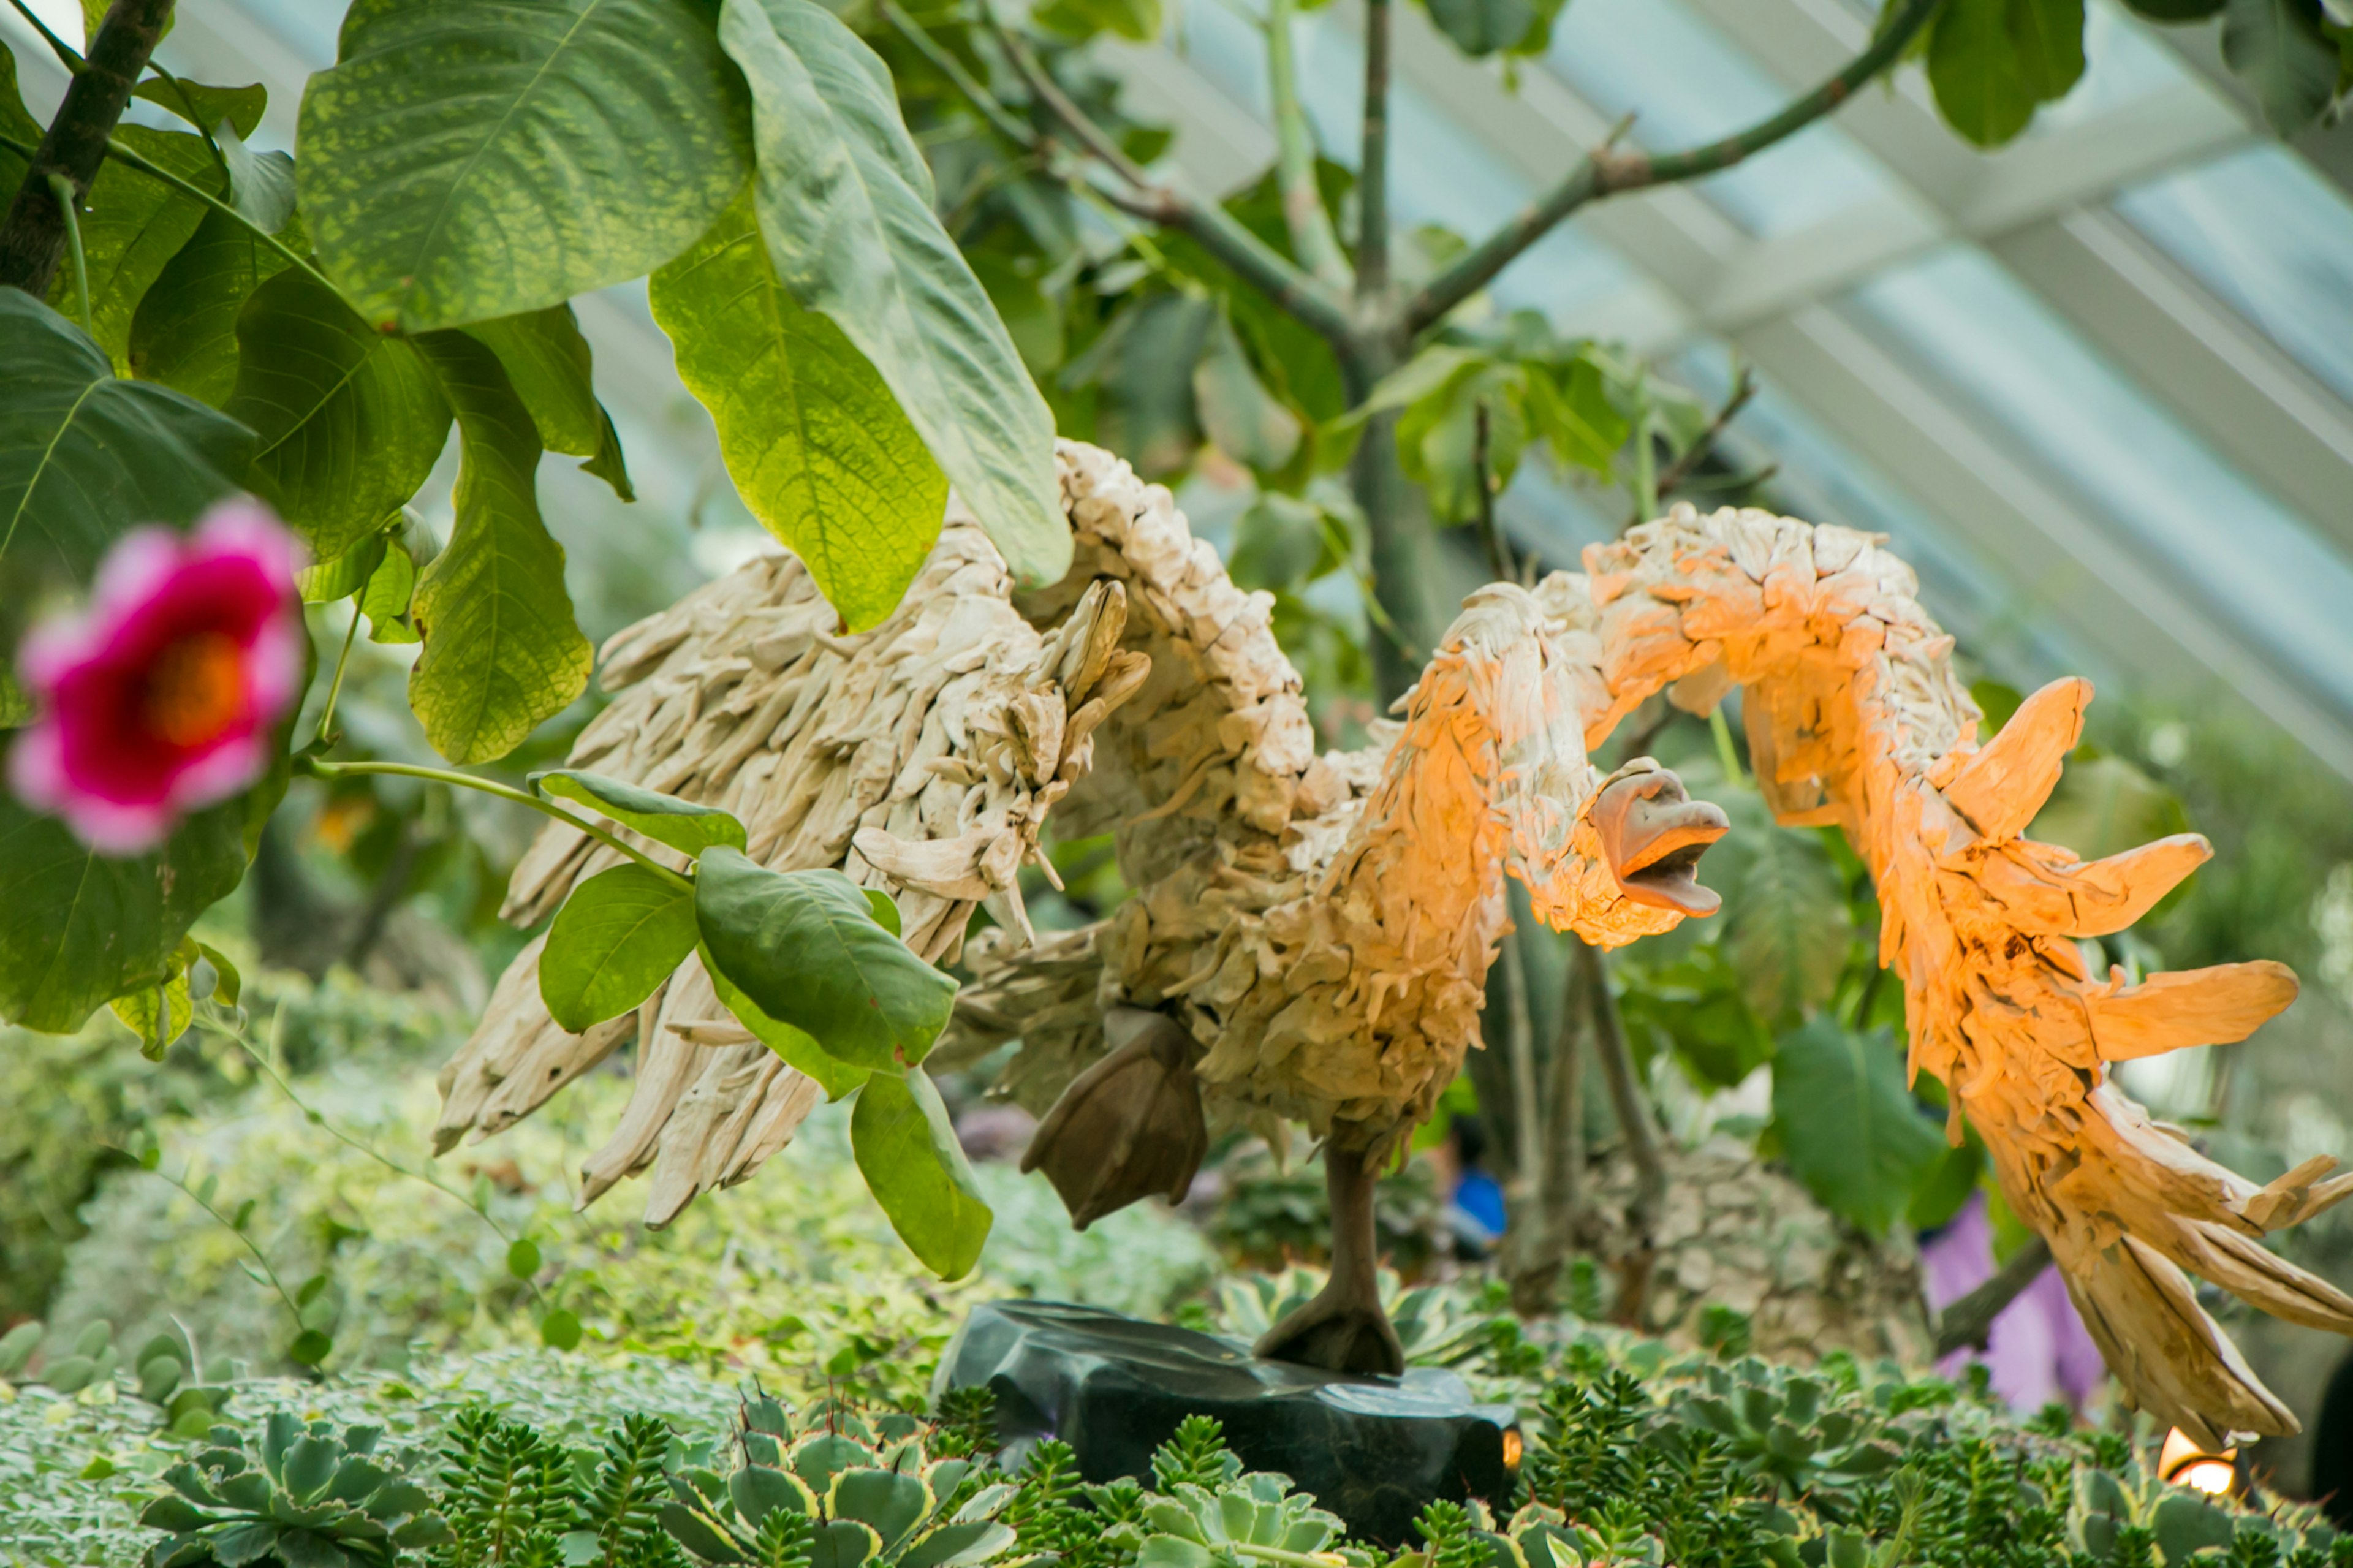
x=1309, y=934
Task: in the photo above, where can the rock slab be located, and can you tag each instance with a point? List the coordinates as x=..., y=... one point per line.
x=1373, y=1450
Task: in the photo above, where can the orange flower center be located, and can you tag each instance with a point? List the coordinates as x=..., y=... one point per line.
x=195, y=690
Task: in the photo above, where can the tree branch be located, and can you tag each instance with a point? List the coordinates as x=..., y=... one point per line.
x=33, y=233
x=1373, y=176
x=1965, y=1323
x=1139, y=195
x=1313, y=239
x=1607, y=172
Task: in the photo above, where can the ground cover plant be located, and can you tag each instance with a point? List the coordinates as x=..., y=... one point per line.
x=1632, y=1455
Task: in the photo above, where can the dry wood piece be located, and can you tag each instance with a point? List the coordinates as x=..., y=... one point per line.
x=1320, y=927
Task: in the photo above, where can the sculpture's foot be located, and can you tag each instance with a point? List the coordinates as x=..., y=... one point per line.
x=1339, y=1330
x=1343, y=1329
x=1130, y=1126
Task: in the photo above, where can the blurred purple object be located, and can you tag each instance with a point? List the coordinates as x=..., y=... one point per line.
x=2038, y=1349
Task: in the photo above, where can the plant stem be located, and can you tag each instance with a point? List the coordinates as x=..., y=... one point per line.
x=1605, y=173
x=1641, y=1136
x=1373, y=178
x=332, y=770
x=1964, y=1324
x=275, y=1284
x=943, y=60
x=1499, y=558
x=1743, y=388
x=1727, y=755
x=32, y=231
x=61, y=189
x=335, y=687
x=1312, y=238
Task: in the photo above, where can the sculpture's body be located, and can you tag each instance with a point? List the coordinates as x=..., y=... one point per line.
x=1309, y=935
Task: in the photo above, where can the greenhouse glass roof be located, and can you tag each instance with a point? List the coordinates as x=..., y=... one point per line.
x=2098, y=384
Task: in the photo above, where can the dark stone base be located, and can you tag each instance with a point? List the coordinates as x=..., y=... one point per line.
x=1373, y=1450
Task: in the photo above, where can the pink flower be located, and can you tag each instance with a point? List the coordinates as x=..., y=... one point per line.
x=163, y=696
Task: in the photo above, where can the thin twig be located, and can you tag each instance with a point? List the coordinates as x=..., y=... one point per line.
x=1135, y=194
x=943, y=60
x=1743, y=388
x=317, y=769
x=1964, y=1324
x=158, y=1172
x=318, y=1118
x=1482, y=480
x=1312, y=236
x=1606, y=172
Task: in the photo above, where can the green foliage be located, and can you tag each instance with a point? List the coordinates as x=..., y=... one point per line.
x=1196, y=1455
x=2287, y=58
x=349, y=420
x=548, y=363
x=502, y=652
x=1848, y=1125
x=821, y=453
x=844, y=200
x=462, y=164
x=1993, y=62
x=682, y=825
x=66, y=494
x=617, y=937
x=301, y=1497
x=506, y=1491
x=907, y=1148
x=850, y=1488
x=805, y=948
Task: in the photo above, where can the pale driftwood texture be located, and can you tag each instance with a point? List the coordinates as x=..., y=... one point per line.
x=1321, y=926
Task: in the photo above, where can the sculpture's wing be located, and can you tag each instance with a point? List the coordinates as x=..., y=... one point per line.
x=1207, y=776
x=919, y=757
x=1856, y=717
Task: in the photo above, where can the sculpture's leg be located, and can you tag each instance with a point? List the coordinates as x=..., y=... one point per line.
x=1343, y=1329
x=1130, y=1126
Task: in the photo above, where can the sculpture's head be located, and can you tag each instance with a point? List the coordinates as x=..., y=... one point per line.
x=1652, y=832
x=1611, y=859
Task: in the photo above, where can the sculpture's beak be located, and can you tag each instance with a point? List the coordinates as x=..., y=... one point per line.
x=1653, y=834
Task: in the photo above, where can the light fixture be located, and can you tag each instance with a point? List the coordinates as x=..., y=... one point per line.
x=2185, y=1464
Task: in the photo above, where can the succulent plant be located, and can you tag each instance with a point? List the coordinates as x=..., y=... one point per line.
x=836, y=1489
x=309, y=1498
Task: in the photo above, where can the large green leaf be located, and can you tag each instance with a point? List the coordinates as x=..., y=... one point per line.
x=1849, y=1129
x=1249, y=424
x=549, y=363
x=818, y=448
x=1484, y=26
x=78, y=928
x=2277, y=48
x=836, y=1077
x=1785, y=928
x=1993, y=62
x=805, y=948
x=501, y=650
x=184, y=332
x=132, y=225
x=682, y=825
x=617, y=937
x=466, y=161
x=85, y=457
x=845, y=202
x=906, y=1149
x=351, y=420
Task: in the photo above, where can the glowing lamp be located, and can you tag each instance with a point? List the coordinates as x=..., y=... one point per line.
x=2185, y=1464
